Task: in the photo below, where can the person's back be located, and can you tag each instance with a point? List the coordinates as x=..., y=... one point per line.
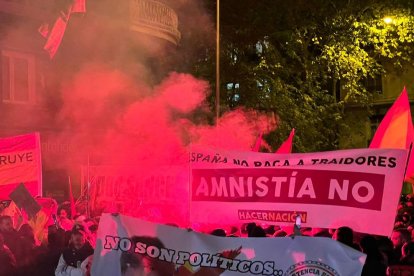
x=407, y=252
x=7, y=260
x=374, y=264
x=11, y=237
x=49, y=258
x=7, y=263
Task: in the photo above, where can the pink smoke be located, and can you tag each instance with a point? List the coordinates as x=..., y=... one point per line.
x=122, y=122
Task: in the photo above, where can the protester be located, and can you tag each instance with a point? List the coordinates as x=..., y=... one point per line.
x=10, y=235
x=64, y=222
x=398, y=238
x=218, y=232
x=386, y=249
x=70, y=242
x=7, y=259
x=345, y=235
x=374, y=264
x=27, y=252
x=49, y=259
x=257, y=232
x=407, y=252
x=70, y=262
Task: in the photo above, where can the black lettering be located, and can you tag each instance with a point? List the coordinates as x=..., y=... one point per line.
x=392, y=163
x=372, y=160
x=10, y=160
x=268, y=268
x=349, y=161
x=360, y=160
x=382, y=161
x=257, y=163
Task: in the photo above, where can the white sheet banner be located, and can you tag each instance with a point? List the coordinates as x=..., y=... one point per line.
x=355, y=188
x=129, y=246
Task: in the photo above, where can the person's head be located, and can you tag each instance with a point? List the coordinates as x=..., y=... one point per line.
x=257, y=232
x=6, y=224
x=77, y=239
x=26, y=232
x=344, y=235
x=249, y=227
x=280, y=234
x=322, y=233
x=399, y=237
x=407, y=249
x=270, y=230
x=218, y=232
x=369, y=245
x=63, y=214
x=56, y=238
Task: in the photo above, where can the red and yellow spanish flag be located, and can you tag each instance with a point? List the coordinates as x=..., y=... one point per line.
x=396, y=129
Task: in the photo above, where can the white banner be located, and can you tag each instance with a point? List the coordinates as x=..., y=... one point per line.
x=129, y=246
x=355, y=188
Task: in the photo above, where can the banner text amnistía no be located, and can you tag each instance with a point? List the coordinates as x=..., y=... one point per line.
x=20, y=162
x=127, y=245
x=354, y=188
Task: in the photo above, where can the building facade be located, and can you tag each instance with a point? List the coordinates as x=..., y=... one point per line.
x=385, y=89
x=30, y=81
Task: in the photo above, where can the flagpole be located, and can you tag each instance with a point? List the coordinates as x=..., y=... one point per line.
x=218, y=62
x=87, y=189
x=408, y=159
x=189, y=186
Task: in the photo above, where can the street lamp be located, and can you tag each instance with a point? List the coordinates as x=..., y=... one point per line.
x=388, y=20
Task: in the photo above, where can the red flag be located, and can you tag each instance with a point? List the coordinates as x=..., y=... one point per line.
x=72, y=200
x=44, y=30
x=79, y=6
x=256, y=146
x=56, y=34
x=287, y=145
x=396, y=129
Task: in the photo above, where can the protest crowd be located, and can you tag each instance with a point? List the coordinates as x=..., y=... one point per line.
x=64, y=247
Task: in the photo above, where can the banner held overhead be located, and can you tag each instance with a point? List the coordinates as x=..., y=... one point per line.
x=327, y=189
x=128, y=246
x=20, y=162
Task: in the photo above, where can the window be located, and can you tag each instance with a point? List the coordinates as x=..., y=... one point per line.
x=18, y=77
x=233, y=92
x=374, y=85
